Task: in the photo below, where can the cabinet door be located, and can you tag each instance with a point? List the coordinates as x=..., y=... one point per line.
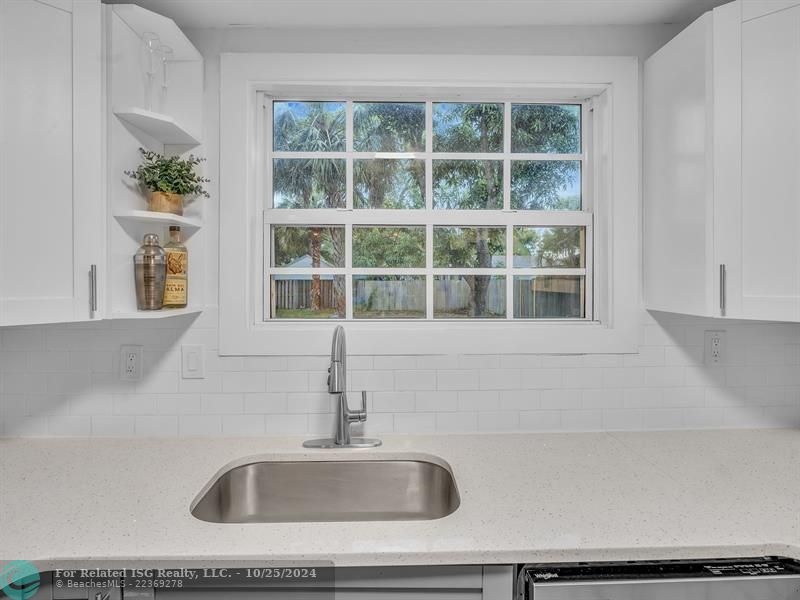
x=768, y=281
x=51, y=216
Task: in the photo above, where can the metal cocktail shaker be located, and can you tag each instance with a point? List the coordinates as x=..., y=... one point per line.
x=150, y=273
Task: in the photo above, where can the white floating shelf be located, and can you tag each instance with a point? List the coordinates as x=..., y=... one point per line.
x=164, y=313
x=160, y=127
x=188, y=224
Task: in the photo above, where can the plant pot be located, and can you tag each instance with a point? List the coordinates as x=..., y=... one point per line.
x=166, y=202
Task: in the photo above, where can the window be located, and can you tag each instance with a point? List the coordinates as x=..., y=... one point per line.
x=442, y=236
x=427, y=209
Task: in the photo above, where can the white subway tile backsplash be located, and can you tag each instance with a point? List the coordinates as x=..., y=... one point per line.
x=321, y=425
x=244, y=382
x=582, y=420
x=540, y=420
x=542, y=379
x=478, y=400
x=436, y=401
x=268, y=403
x=286, y=381
x=415, y=380
x=390, y=402
x=630, y=377
x=602, y=398
x=663, y=418
x=615, y=419
x=703, y=418
x=25, y=426
x=156, y=426
x=310, y=402
x=498, y=421
x=648, y=356
x=520, y=399
x=178, y=404
x=394, y=363
x=69, y=426
x=104, y=426
x=415, y=422
x=372, y=380
x=520, y=361
x=133, y=404
x=243, y=425
x=287, y=424
x=561, y=399
x=457, y=422
x=457, y=380
x=500, y=379
x=64, y=380
x=222, y=404
x=199, y=425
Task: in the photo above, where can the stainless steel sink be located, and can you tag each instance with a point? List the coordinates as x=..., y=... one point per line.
x=309, y=491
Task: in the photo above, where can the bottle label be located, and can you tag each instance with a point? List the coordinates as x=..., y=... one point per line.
x=175, y=290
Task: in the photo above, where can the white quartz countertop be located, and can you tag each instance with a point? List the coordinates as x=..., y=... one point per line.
x=524, y=498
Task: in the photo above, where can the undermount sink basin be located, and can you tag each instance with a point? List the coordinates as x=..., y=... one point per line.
x=315, y=491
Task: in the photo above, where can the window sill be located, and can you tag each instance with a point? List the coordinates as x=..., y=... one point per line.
x=439, y=337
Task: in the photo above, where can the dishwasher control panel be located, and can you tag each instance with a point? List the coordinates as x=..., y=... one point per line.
x=663, y=569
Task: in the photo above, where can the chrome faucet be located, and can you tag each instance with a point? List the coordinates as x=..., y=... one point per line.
x=337, y=386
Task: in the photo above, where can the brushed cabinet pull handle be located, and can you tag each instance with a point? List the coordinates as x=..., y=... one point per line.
x=93, y=288
x=722, y=289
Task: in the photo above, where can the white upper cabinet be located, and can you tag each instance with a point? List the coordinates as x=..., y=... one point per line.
x=51, y=167
x=722, y=176
x=769, y=284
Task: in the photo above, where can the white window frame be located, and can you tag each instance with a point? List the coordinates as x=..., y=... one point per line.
x=609, y=83
x=428, y=217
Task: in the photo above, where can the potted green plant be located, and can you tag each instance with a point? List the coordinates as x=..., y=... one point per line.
x=168, y=179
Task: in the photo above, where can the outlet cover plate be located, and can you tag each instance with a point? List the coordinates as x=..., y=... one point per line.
x=130, y=363
x=716, y=351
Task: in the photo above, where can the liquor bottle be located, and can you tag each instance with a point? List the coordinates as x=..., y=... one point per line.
x=149, y=269
x=176, y=291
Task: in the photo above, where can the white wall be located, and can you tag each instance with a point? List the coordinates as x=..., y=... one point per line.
x=62, y=380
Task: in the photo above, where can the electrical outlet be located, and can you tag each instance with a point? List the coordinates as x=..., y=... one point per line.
x=715, y=351
x=193, y=364
x=130, y=363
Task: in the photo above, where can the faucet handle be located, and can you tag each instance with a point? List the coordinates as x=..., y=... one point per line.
x=363, y=411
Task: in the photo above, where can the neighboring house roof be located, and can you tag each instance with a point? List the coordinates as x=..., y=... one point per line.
x=304, y=262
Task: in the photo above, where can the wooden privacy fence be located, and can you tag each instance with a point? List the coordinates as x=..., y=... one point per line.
x=296, y=294
x=548, y=298
x=450, y=295
x=393, y=295
x=454, y=295
x=553, y=298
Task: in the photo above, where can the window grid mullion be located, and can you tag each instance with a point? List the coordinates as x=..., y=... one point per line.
x=509, y=271
x=477, y=218
x=429, y=270
x=426, y=155
x=507, y=207
x=348, y=263
x=429, y=294
x=349, y=201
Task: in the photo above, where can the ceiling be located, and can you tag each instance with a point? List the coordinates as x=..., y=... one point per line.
x=423, y=13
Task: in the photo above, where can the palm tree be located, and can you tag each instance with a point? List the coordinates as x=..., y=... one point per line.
x=313, y=182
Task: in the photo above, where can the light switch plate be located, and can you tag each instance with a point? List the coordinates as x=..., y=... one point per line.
x=193, y=363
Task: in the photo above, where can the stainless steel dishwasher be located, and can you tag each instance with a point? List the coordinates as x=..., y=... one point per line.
x=765, y=578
